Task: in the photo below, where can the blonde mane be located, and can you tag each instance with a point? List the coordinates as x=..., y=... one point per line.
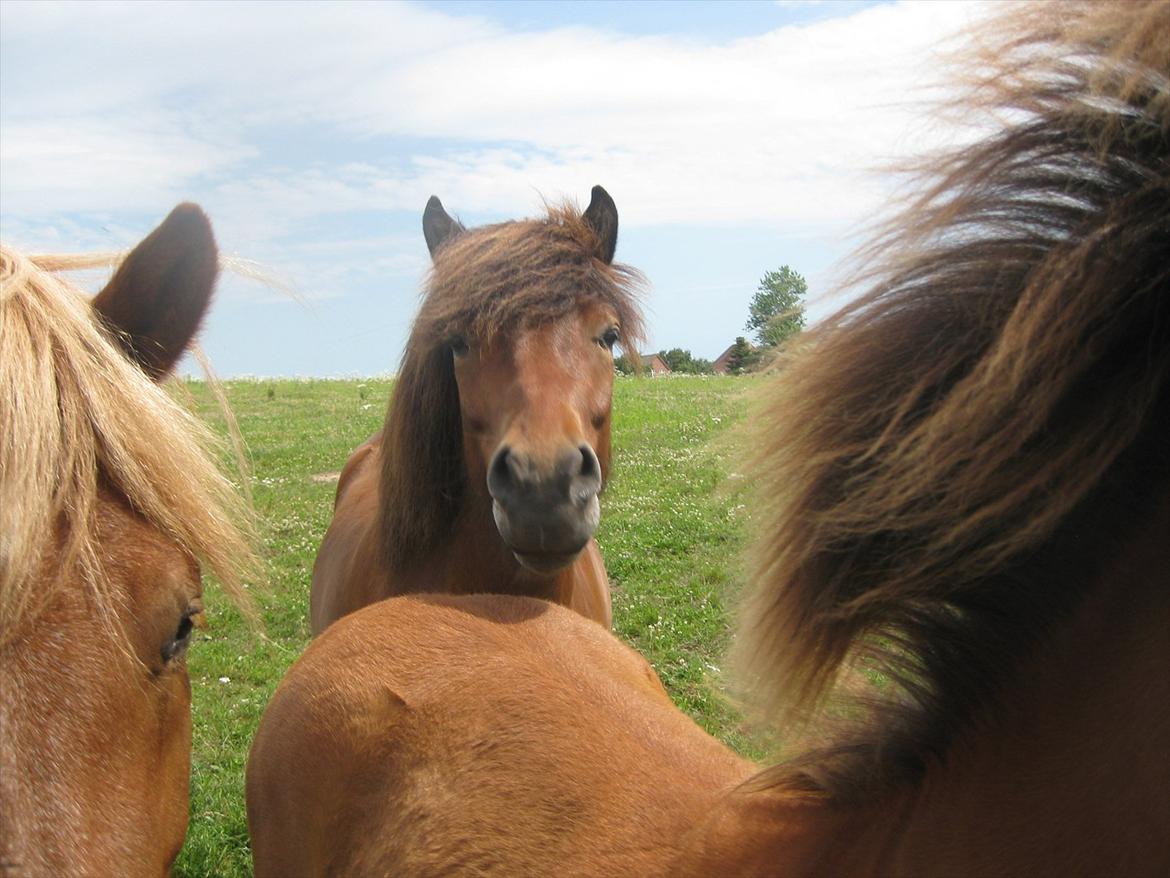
x=75, y=414
x=949, y=463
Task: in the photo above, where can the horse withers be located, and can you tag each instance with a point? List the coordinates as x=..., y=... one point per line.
x=487, y=473
x=960, y=600
x=109, y=501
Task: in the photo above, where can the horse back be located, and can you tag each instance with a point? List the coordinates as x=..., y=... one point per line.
x=402, y=770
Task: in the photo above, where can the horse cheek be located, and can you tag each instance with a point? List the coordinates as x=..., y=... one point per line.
x=174, y=761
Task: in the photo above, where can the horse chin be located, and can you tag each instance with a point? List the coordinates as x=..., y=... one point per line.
x=545, y=563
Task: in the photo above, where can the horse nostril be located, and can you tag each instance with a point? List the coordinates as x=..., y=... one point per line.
x=590, y=465
x=514, y=478
x=500, y=480
x=587, y=481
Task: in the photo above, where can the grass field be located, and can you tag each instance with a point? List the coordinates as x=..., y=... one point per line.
x=672, y=527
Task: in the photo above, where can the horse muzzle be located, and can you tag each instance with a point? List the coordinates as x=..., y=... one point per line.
x=545, y=514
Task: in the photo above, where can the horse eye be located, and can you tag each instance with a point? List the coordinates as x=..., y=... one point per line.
x=609, y=338
x=459, y=346
x=176, y=647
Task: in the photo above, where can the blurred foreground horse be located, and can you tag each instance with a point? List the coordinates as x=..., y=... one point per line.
x=965, y=493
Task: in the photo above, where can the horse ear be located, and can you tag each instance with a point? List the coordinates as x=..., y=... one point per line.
x=155, y=302
x=438, y=226
x=601, y=214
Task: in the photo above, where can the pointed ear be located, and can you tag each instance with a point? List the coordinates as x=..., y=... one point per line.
x=156, y=300
x=601, y=214
x=438, y=226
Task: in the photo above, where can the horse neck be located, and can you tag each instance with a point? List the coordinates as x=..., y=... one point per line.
x=1067, y=775
x=1073, y=764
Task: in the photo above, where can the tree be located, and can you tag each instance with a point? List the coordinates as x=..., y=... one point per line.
x=622, y=365
x=682, y=361
x=777, y=309
x=742, y=357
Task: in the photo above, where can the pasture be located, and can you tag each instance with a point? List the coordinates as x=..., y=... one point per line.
x=673, y=524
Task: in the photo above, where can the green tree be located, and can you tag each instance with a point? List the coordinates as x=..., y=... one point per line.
x=742, y=357
x=777, y=309
x=622, y=365
x=683, y=361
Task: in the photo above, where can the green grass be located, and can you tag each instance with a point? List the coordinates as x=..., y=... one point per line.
x=671, y=533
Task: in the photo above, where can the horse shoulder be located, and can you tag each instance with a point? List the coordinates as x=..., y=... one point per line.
x=295, y=784
x=363, y=464
x=347, y=572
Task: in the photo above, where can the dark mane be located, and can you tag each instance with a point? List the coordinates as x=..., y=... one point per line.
x=951, y=461
x=486, y=283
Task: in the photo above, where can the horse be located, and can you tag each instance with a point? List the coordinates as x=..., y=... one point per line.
x=110, y=501
x=496, y=443
x=958, y=615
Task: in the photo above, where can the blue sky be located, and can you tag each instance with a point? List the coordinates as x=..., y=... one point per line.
x=734, y=137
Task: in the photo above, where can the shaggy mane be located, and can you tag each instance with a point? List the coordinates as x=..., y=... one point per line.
x=486, y=283
x=950, y=462
x=75, y=413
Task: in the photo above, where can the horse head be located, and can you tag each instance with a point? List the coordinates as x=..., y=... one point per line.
x=518, y=329
x=535, y=406
x=109, y=500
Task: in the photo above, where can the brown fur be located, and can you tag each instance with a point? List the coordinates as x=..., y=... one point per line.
x=535, y=663
x=966, y=488
x=442, y=735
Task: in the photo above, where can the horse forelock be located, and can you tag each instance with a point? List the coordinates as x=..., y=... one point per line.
x=76, y=414
x=492, y=280
x=487, y=284
x=948, y=464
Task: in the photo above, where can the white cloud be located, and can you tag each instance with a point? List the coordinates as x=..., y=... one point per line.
x=314, y=133
x=131, y=106
x=86, y=164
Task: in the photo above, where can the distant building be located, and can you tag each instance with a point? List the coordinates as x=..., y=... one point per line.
x=721, y=361
x=654, y=364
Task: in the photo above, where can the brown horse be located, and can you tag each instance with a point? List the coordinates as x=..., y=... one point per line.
x=966, y=477
x=496, y=444
x=109, y=500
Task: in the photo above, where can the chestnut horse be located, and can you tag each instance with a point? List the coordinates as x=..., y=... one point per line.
x=109, y=501
x=966, y=483
x=486, y=474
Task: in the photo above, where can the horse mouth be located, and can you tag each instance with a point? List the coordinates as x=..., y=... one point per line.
x=546, y=562
x=546, y=542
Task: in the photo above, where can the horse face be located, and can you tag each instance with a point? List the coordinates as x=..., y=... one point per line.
x=95, y=704
x=536, y=427
x=97, y=725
